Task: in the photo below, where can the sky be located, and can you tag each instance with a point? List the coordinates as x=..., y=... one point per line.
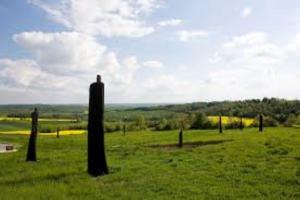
x=149, y=51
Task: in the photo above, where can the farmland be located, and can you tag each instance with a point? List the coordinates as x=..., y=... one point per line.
x=146, y=162
x=234, y=165
x=13, y=125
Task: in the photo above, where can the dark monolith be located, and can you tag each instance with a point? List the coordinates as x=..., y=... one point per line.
x=124, y=129
x=261, y=125
x=96, y=152
x=241, y=123
x=57, y=132
x=124, y=126
x=220, y=124
x=180, y=138
x=31, y=153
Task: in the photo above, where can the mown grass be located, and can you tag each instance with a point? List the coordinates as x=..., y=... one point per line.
x=246, y=165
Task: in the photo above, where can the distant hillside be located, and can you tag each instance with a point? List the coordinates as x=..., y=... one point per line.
x=279, y=109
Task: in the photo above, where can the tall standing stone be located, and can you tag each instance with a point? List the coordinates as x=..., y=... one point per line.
x=220, y=124
x=124, y=126
x=180, y=138
x=261, y=125
x=241, y=124
x=31, y=153
x=96, y=152
x=57, y=132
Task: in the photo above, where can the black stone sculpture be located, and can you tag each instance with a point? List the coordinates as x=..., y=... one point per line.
x=220, y=124
x=96, y=152
x=31, y=153
x=261, y=123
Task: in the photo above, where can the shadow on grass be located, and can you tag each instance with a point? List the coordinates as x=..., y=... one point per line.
x=188, y=145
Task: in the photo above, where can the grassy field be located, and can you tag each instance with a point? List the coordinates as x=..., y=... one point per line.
x=234, y=165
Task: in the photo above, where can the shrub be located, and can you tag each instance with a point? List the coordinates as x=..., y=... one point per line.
x=201, y=122
x=140, y=123
x=111, y=127
x=234, y=124
x=46, y=130
x=171, y=124
x=291, y=120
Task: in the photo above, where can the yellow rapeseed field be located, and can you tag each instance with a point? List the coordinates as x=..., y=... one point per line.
x=226, y=120
x=28, y=119
x=27, y=132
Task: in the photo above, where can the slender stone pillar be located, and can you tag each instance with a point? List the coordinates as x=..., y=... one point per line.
x=180, y=138
x=124, y=126
x=57, y=132
x=241, y=124
x=31, y=153
x=220, y=124
x=261, y=123
x=96, y=151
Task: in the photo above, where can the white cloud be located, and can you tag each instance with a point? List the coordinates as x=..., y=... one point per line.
x=294, y=45
x=68, y=61
x=102, y=17
x=249, y=49
x=25, y=73
x=131, y=63
x=185, y=36
x=252, y=82
x=125, y=75
x=250, y=66
x=154, y=64
x=171, y=22
x=22, y=72
x=64, y=52
x=246, y=12
x=23, y=81
x=164, y=88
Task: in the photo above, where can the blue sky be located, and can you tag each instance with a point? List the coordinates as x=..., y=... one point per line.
x=149, y=50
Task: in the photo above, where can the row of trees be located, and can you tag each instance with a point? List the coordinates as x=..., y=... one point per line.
x=201, y=121
x=278, y=109
x=192, y=121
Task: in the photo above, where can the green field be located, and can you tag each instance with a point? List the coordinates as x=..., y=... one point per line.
x=234, y=165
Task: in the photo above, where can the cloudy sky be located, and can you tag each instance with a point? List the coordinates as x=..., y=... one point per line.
x=149, y=50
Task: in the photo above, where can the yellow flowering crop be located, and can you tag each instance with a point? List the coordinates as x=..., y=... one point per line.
x=226, y=120
x=27, y=132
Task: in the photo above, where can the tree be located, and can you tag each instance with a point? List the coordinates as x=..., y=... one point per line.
x=201, y=121
x=140, y=122
x=162, y=124
x=291, y=120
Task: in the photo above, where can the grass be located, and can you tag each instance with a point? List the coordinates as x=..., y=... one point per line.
x=246, y=165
